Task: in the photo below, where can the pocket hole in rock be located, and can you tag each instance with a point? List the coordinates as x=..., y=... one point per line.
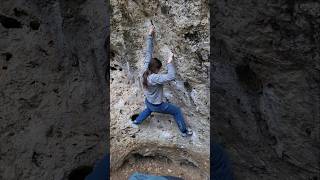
x=165, y=10
x=187, y=86
x=269, y=85
x=156, y=157
x=248, y=77
x=112, y=54
x=308, y=131
x=134, y=117
x=19, y=12
x=7, y=55
x=187, y=163
x=192, y=36
x=8, y=22
x=35, y=25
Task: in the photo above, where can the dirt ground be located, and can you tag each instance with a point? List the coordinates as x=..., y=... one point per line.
x=156, y=166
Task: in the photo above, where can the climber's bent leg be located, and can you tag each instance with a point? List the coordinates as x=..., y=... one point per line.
x=142, y=116
x=176, y=112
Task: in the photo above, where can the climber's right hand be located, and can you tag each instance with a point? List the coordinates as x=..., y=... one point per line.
x=152, y=30
x=170, y=58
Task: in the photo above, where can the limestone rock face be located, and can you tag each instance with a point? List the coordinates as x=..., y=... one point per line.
x=266, y=86
x=184, y=26
x=52, y=87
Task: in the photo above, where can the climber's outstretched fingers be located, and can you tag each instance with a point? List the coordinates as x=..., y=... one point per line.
x=170, y=58
x=152, y=30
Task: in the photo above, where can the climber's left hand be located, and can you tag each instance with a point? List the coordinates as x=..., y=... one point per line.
x=170, y=57
x=152, y=30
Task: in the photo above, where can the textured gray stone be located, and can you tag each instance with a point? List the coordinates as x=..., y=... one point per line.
x=53, y=88
x=266, y=86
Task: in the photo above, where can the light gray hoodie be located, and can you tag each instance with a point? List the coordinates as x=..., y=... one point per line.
x=154, y=92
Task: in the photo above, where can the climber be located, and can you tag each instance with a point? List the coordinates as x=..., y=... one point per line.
x=153, y=87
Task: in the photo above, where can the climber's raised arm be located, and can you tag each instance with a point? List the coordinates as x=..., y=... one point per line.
x=149, y=49
x=163, y=78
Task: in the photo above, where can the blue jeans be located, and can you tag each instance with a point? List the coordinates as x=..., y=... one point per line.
x=165, y=108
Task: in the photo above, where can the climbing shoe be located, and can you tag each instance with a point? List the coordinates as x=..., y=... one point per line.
x=188, y=132
x=134, y=124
